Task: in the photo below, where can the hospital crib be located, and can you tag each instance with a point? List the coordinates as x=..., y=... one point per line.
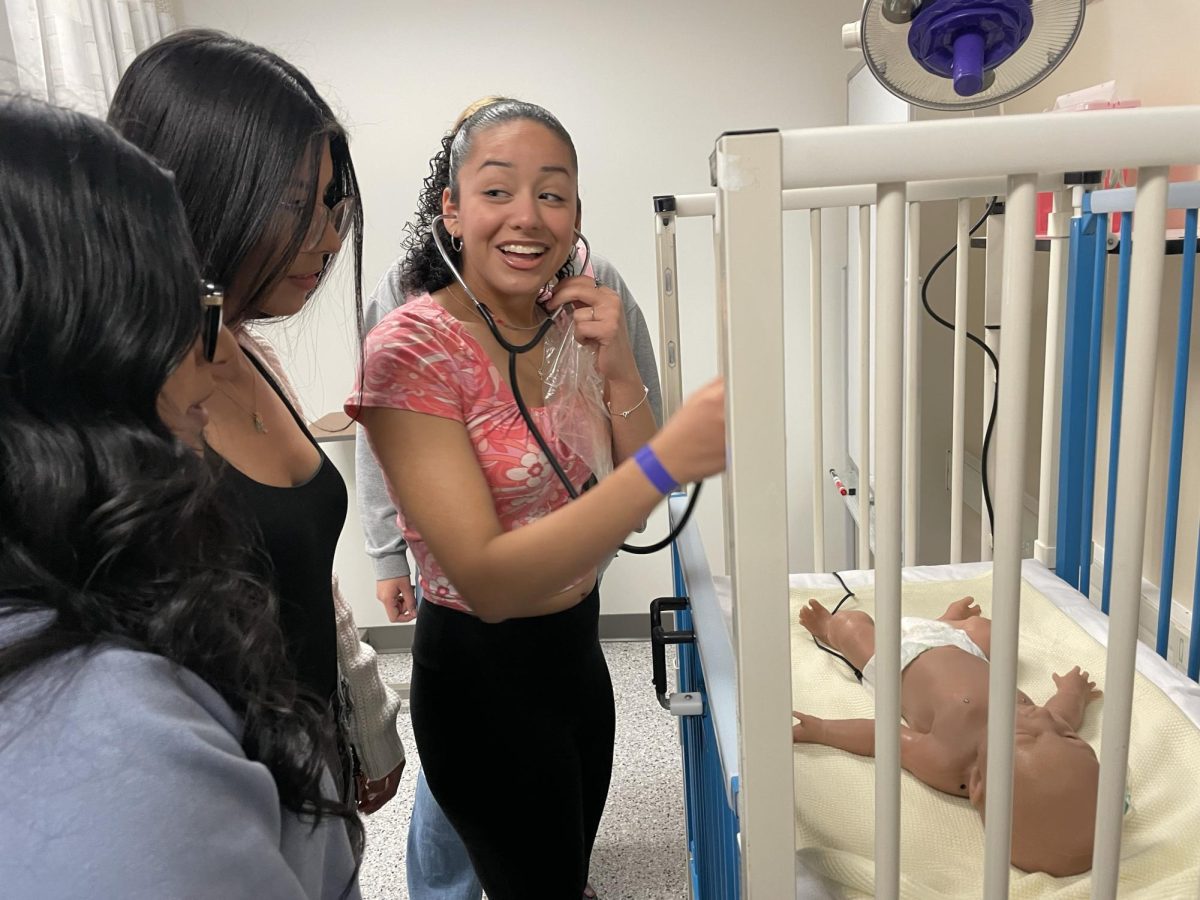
x=737, y=753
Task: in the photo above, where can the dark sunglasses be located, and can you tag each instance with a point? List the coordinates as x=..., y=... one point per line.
x=212, y=298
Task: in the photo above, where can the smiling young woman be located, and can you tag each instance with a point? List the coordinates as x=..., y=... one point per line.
x=508, y=562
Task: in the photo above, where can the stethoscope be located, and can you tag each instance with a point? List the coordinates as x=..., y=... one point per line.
x=513, y=350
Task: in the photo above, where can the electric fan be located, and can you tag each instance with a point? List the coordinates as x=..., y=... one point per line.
x=964, y=54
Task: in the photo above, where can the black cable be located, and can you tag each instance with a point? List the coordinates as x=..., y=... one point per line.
x=849, y=593
x=987, y=436
x=562, y=476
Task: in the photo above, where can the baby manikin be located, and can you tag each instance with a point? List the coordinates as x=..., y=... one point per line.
x=943, y=741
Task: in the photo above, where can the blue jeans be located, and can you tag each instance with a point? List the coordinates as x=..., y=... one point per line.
x=437, y=862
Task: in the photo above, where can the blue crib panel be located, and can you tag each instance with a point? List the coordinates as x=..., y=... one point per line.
x=1080, y=414
x=714, y=860
x=1095, y=351
x=1178, y=415
x=1086, y=236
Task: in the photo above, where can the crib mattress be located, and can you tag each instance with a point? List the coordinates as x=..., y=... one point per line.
x=942, y=836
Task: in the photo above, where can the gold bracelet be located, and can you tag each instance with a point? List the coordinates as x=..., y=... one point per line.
x=626, y=414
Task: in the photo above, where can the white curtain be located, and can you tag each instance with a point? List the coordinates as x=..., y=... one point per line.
x=72, y=52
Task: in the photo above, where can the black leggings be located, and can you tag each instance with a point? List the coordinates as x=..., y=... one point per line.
x=515, y=724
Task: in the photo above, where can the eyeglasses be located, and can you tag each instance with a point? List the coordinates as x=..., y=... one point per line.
x=340, y=215
x=212, y=299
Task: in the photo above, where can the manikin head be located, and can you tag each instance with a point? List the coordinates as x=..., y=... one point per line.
x=1055, y=779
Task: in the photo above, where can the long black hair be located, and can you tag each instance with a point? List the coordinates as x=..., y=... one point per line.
x=236, y=123
x=424, y=270
x=111, y=529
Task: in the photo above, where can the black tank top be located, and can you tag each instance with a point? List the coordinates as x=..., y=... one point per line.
x=300, y=527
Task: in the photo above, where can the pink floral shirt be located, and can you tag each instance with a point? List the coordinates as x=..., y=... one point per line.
x=420, y=358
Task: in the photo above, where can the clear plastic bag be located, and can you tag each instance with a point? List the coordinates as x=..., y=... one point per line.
x=575, y=396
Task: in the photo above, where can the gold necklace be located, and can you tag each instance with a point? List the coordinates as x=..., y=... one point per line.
x=255, y=418
x=469, y=308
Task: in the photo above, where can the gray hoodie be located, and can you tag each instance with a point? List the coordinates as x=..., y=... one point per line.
x=122, y=775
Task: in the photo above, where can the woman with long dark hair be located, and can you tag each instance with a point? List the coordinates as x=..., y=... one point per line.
x=152, y=740
x=264, y=171
x=508, y=562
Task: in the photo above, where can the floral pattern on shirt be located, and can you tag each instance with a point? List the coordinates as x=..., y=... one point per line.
x=420, y=358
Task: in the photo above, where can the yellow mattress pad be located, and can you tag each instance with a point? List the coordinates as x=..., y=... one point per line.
x=942, y=837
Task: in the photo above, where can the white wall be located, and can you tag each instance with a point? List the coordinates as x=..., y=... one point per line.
x=643, y=88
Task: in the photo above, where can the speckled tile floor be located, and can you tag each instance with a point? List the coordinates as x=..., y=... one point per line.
x=639, y=853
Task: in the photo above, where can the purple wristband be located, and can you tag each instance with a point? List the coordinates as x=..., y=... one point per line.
x=653, y=469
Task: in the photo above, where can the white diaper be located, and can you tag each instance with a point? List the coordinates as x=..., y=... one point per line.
x=918, y=635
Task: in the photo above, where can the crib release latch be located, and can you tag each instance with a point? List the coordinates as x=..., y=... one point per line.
x=678, y=704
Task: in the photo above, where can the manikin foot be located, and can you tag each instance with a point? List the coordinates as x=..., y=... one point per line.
x=817, y=619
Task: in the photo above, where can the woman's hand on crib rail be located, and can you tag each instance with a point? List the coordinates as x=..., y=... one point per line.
x=692, y=446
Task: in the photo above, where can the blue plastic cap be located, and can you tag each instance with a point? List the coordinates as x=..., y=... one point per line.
x=963, y=39
x=968, y=63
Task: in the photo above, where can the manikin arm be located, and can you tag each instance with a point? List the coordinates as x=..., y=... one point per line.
x=1075, y=691
x=921, y=754
x=855, y=736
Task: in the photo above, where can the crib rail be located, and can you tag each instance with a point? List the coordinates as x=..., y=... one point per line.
x=894, y=169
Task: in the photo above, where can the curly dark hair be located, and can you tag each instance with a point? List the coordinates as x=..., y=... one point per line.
x=235, y=123
x=112, y=531
x=424, y=270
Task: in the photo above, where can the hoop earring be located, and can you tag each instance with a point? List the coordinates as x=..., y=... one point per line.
x=456, y=243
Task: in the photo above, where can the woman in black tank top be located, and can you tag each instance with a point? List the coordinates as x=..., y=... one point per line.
x=300, y=526
x=264, y=171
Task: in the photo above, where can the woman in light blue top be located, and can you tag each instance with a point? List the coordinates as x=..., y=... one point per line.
x=152, y=739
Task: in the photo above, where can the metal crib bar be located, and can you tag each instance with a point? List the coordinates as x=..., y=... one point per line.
x=1045, y=142
x=1181, y=195
x=1100, y=262
x=958, y=424
x=992, y=297
x=749, y=243
x=1129, y=536
x=1012, y=419
x=1179, y=413
x=912, y=384
x=889, y=370
x=818, y=405
x=1118, y=392
x=1059, y=229
x=864, y=387
x=841, y=196
x=668, y=305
